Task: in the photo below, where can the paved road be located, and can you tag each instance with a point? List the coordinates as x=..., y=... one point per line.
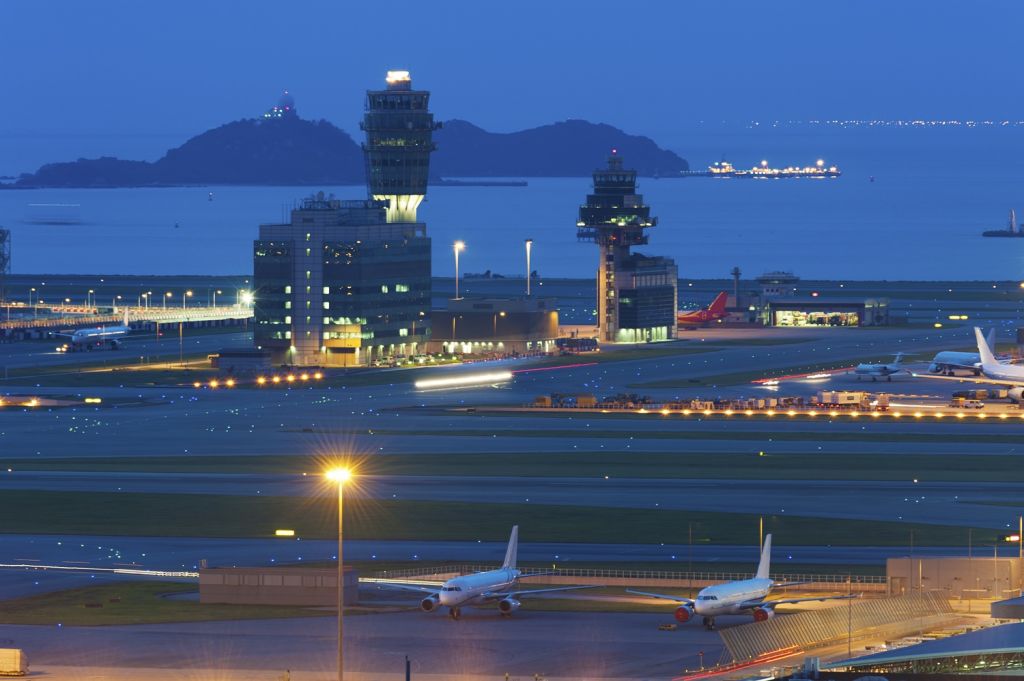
x=571, y=645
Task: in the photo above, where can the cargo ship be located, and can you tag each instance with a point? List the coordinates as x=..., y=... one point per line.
x=762, y=171
x=1012, y=228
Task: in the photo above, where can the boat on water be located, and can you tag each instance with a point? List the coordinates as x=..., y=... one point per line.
x=764, y=172
x=1012, y=228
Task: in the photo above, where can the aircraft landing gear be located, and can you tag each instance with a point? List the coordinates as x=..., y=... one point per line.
x=455, y=613
x=709, y=623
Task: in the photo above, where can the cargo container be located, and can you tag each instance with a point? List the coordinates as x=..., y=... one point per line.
x=13, y=662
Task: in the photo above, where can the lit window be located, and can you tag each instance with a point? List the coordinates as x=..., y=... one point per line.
x=401, y=288
x=384, y=288
x=308, y=252
x=288, y=319
x=308, y=236
x=403, y=332
x=307, y=275
x=327, y=289
x=327, y=305
x=287, y=289
x=287, y=304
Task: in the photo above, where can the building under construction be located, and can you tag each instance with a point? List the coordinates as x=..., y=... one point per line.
x=636, y=294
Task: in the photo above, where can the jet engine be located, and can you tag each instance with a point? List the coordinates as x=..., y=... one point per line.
x=684, y=613
x=762, y=614
x=1015, y=394
x=429, y=604
x=508, y=606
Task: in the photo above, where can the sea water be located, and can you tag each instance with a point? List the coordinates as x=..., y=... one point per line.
x=911, y=204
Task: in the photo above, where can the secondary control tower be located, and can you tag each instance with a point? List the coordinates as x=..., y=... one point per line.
x=636, y=294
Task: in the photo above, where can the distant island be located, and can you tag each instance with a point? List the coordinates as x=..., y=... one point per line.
x=293, y=151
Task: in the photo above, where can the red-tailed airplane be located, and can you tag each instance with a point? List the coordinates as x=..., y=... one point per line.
x=714, y=312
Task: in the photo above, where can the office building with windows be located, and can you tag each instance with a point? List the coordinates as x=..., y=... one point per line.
x=347, y=282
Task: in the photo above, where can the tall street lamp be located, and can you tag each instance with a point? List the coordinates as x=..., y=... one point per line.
x=529, y=248
x=166, y=296
x=186, y=294
x=340, y=476
x=458, y=247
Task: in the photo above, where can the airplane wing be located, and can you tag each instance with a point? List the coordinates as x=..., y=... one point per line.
x=424, y=587
x=677, y=599
x=786, y=601
x=501, y=595
x=973, y=379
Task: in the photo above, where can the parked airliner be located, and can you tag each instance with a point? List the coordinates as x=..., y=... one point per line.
x=948, y=362
x=483, y=588
x=96, y=337
x=736, y=598
x=993, y=372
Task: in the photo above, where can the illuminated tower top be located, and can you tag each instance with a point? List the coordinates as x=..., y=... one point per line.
x=614, y=215
x=399, y=138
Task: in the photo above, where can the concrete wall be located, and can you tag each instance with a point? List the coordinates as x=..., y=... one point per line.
x=276, y=586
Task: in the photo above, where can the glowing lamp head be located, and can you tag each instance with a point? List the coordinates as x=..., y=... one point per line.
x=396, y=77
x=339, y=475
x=459, y=245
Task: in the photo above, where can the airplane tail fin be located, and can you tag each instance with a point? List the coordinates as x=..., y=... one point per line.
x=718, y=304
x=513, y=549
x=984, y=351
x=766, y=558
x=990, y=338
x=899, y=358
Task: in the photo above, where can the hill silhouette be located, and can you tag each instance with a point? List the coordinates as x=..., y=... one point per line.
x=294, y=151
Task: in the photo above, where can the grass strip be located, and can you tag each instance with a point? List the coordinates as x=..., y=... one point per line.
x=123, y=603
x=209, y=515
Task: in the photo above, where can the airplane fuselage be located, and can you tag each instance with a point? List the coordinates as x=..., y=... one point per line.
x=949, y=361
x=726, y=599
x=474, y=589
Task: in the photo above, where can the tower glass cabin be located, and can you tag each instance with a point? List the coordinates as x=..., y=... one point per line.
x=399, y=138
x=636, y=294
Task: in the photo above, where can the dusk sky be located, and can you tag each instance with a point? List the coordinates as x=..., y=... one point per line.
x=132, y=68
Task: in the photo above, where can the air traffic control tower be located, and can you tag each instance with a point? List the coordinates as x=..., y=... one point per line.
x=636, y=294
x=399, y=138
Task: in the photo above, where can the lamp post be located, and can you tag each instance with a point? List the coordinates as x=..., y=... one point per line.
x=340, y=476
x=186, y=294
x=529, y=247
x=215, y=292
x=88, y=298
x=166, y=296
x=457, y=247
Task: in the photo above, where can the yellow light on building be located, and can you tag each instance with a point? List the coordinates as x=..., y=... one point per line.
x=93, y=400
x=284, y=533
